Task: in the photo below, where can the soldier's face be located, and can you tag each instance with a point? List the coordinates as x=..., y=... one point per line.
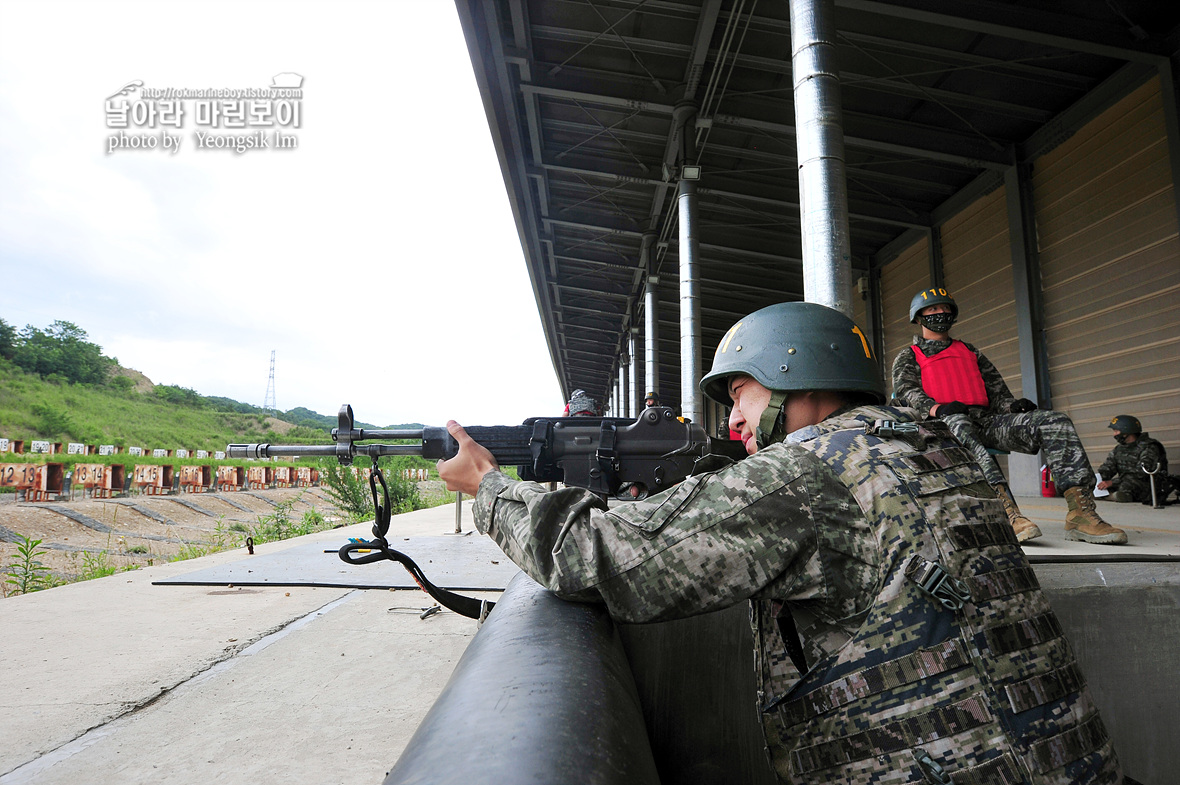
x=750, y=400
x=940, y=308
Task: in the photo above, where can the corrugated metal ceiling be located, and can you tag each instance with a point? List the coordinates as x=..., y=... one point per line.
x=938, y=100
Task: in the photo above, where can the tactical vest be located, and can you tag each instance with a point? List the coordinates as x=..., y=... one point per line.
x=952, y=375
x=958, y=670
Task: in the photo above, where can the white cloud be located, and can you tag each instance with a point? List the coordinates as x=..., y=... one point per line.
x=379, y=260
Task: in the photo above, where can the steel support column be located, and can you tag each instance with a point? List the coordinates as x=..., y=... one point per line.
x=876, y=320
x=934, y=257
x=625, y=383
x=690, y=285
x=823, y=191
x=1170, y=93
x=651, y=336
x=1026, y=276
x=633, y=403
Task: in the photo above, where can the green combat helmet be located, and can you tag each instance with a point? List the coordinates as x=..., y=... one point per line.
x=1125, y=423
x=929, y=297
x=792, y=347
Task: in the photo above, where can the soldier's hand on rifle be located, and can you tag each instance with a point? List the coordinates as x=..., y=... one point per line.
x=464, y=472
x=949, y=408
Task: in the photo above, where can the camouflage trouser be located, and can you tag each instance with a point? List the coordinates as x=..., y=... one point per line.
x=1030, y=432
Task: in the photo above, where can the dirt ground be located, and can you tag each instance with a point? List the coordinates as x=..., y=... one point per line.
x=141, y=530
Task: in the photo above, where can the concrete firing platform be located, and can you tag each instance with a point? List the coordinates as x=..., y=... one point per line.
x=1152, y=535
x=119, y=680
x=459, y=563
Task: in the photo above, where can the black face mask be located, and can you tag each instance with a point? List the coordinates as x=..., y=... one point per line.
x=1121, y=438
x=938, y=322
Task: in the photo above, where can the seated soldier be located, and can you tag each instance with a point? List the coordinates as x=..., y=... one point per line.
x=1123, y=470
x=955, y=382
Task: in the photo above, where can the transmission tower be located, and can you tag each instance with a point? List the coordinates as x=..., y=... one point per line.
x=269, y=403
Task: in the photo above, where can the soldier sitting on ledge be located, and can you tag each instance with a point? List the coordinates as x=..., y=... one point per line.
x=955, y=382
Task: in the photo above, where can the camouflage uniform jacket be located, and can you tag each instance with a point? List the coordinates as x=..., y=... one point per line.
x=1125, y=459
x=827, y=525
x=907, y=378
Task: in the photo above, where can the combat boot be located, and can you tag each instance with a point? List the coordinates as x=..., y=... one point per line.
x=1122, y=497
x=1025, y=529
x=1083, y=523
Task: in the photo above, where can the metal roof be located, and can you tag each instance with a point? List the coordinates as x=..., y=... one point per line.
x=939, y=99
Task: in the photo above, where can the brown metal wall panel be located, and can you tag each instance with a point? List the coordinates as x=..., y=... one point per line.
x=1110, y=269
x=901, y=279
x=977, y=270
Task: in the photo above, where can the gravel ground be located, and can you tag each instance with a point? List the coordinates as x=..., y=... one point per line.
x=137, y=531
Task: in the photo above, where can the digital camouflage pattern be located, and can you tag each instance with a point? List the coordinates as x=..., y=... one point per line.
x=1122, y=466
x=996, y=426
x=826, y=526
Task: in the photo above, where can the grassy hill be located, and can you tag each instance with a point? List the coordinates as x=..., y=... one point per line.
x=142, y=415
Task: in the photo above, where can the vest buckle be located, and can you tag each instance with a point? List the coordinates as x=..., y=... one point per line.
x=933, y=579
x=908, y=432
x=933, y=772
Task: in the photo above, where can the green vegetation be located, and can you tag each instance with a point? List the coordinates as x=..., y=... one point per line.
x=352, y=493
x=58, y=353
x=25, y=572
x=279, y=526
x=35, y=408
x=222, y=540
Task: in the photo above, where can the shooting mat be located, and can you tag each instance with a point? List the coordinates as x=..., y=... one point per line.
x=457, y=563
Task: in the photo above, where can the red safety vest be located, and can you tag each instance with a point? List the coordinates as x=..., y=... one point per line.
x=952, y=375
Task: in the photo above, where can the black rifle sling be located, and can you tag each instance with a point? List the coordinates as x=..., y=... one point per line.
x=790, y=635
x=464, y=606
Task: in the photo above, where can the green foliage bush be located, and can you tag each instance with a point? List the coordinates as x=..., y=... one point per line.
x=353, y=495
x=279, y=525
x=25, y=572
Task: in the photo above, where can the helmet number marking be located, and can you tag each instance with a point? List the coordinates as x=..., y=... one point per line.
x=926, y=295
x=863, y=341
x=728, y=337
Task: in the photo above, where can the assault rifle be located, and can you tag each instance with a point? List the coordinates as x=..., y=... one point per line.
x=609, y=456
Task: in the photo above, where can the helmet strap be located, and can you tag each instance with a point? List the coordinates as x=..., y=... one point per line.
x=772, y=425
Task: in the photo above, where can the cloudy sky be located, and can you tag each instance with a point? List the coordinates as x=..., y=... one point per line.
x=379, y=260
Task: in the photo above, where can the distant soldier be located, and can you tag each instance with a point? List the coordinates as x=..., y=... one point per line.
x=899, y=632
x=650, y=400
x=581, y=405
x=953, y=381
x=1123, y=470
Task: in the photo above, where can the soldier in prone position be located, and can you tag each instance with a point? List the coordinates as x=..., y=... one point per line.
x=953, y=381
x=900, y=634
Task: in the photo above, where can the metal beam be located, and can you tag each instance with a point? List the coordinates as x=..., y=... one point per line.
x=1171, y=100
x=934, y=256
x=1026, y=275
x=1020, y=23
x=979, y=161
x=779, y=204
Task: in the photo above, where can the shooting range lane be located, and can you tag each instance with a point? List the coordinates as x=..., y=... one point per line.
x=455, y=562
x=121, y=680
